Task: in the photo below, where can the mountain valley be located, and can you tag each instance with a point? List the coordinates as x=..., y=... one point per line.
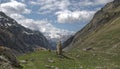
x=96, y=46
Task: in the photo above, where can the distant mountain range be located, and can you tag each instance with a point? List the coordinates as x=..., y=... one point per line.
x=19, y=38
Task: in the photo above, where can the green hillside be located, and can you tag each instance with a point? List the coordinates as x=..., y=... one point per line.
x=97, y=28
x=106, y=39
x=47, y=60
x=75, y=60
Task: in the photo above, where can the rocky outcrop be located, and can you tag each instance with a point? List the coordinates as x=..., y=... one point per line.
x=108, y=13
x=19, y=38
x=8, y=59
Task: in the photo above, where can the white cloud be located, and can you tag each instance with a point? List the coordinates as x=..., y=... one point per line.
x=91, y=3
x=45, y=27
x=73, y=17
x=14, y=7
x=102, y=1
x=17, y=16
x=34, y=3
x=47, y=6
x=76, y=11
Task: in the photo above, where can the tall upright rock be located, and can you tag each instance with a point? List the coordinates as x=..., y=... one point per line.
x=59, y=48
x=19, y=38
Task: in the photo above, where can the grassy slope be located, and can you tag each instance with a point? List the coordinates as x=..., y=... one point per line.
x=106, y=39
x=86, y=60
x=106, y=45
x=41, y=60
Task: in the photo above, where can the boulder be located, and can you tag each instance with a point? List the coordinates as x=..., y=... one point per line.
x=7, y=56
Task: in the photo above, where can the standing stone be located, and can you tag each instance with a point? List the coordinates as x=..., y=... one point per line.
x=59, y=48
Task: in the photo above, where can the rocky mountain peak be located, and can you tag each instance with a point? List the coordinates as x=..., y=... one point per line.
x=116, y=2
x=6, y=21
x=2, y=14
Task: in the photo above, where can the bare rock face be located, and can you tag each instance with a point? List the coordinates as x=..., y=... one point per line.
x=7, y=58
x=19, y=38
x=116, y=2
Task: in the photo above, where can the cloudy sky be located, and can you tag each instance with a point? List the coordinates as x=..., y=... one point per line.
x=52, y=17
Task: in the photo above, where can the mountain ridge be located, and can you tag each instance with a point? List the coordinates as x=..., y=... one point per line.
x=19, y=38
x=108, y=13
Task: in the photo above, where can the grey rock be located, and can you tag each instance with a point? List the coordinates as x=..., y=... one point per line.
x=7, y=57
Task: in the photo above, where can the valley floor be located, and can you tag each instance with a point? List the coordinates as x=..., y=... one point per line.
x=75, y=59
